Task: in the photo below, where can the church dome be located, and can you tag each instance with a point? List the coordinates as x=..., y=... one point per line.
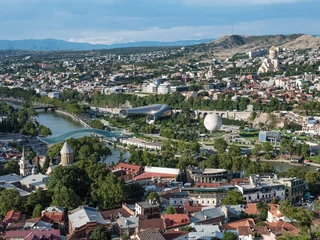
x=66, y=149
x=157, y=82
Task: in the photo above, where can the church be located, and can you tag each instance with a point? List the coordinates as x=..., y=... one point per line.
x=270, y=64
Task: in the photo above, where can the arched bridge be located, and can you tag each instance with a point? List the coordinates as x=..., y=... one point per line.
x=62, y=137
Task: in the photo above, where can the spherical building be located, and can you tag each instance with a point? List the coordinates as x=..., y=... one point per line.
x=212, y=122
x=157, y=82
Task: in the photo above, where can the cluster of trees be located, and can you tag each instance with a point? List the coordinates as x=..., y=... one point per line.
x=85, y=148
x=96, y=124
x=85, y=182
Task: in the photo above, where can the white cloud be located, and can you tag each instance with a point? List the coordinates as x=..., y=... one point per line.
x=263, y=27
x=238, y=2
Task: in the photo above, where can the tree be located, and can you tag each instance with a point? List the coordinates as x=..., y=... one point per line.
x=303, y=216
x=45, y=131
x=263, y=209
x=256, y=150
x=11, y=167
x=234, y=150
x=100, y=233
x=63, y=196
x=39, y=196
x=170, y=210
x=96, y=124
x=134, y=190
x=121, y=157
x=220, y=145
x=233, y=197
x=110, y=192
x=37, y=211
x=10, y=199
x=153, y=195
x=229, y=236
x=187, y=229
x=312, y=177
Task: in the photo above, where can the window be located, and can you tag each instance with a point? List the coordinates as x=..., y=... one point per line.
x=208, y=202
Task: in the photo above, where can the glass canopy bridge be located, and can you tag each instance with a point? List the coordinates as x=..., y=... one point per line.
x=111, y=136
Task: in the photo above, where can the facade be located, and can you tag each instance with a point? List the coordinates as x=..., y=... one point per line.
x=311, y=125
x=262, y=189
x=127, y=225
x=294, y=188
x=269, y=136
x=24, y=165
x=83, y=220
x=67, y=155
x=210, y=175
x=53, y=94
x=139, y=143
x=149, y=209
x=270, y=64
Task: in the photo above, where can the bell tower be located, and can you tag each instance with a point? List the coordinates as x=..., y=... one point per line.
x=24, y=165
x=66, y=154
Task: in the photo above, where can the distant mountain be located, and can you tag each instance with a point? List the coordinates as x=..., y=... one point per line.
x=54, y=44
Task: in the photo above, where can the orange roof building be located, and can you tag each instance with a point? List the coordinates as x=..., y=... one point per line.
x=175, y=220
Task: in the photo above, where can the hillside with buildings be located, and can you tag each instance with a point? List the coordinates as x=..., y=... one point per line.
x=229, y=45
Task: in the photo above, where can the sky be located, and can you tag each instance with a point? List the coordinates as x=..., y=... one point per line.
x=119, y=21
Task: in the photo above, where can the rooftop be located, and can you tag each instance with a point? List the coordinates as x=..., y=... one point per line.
x=66, y=149
x=84, y=214
x=213, y=171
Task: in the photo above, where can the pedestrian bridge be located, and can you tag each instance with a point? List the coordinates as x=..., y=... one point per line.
x=112, y=136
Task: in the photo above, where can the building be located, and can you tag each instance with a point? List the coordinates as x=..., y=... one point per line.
x=24, y=165
x=67, y=155
x=127, y=171
x=269, y=136
x=210, y=175
x=148, y=234
x=34, y=181
x=294, y=188
x=205, y=196
x=52, y=234
x=311, y=125
x=127, y=225
x=175, y=220
x=209, y=215
x=54, y=95
x=149, y=209
x=262, y=189
x=139, y=143
x=158, y=173
x=57, y=216
x=270, y=64
x=83, y=220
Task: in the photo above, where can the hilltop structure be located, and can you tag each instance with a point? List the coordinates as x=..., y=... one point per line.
x=67, y=155
x=270, y=64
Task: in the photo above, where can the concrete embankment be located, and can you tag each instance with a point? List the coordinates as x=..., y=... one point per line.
x=74, y=118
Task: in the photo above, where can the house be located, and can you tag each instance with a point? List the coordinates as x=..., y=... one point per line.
x=175, y=235
x=57, y=216
x=151, y=233
x=128, y=171
x=274, y=214
x=175, y=220
x=83, y=220
x=280, y=228
x=233, y=212
x=209, y=215
x=155, y=223
x=149, y=209
x=113, y=214
x=127, y=225
x=205, y=232
x=53, y=234
x=34, y=181
x=13, y=220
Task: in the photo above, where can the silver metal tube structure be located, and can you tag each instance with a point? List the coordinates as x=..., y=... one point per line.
x=153, y=112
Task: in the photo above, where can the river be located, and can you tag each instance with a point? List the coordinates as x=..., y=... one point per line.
x=60, y=123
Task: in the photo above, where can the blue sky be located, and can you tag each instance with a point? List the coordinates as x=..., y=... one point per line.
x=115, y=21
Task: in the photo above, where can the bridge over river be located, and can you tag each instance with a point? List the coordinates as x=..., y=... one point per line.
x=112, y=136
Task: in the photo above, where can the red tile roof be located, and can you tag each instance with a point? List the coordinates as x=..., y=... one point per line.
x=283, y=227
x=234, y=225
x=171, y=235
x=251, y=208
x=155, y=223
x=57, y=217
x=175, y=220
x=114, y=213
x=149, y=175
x=30, y=234
x=14, y=216
x=129, y=168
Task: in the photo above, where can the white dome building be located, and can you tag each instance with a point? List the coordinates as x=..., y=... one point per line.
x=212, y=122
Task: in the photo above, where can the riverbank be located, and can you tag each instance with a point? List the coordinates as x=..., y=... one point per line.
x=75, y=118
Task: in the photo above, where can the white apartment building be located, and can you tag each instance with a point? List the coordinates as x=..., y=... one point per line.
x=262, y=189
